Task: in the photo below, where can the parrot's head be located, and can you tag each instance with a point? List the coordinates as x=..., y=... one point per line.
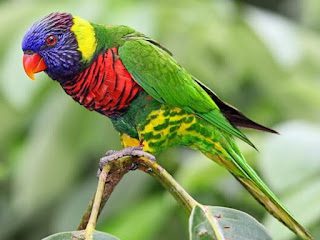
x=59, y=44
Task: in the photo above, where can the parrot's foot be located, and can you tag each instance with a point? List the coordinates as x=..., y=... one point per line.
x=113, y=155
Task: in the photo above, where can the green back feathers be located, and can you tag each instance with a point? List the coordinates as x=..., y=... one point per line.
x=161, y=77
x=111, y=36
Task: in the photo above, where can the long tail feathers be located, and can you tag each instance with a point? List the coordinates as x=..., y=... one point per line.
x=271, y=203
x=259, y=190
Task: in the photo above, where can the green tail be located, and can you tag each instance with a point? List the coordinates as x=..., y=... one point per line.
x=237, y=165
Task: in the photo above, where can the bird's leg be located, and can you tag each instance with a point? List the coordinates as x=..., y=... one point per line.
x=113, y=155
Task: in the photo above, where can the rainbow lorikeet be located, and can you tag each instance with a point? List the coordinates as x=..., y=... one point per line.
x=151, y=100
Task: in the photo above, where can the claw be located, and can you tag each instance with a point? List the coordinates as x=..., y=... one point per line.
x=113, y=155
x=141, y=153
x=110, y=152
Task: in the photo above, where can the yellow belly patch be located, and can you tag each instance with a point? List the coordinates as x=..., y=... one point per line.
x=128, y=141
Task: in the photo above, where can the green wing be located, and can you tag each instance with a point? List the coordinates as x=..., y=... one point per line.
x=166, y=81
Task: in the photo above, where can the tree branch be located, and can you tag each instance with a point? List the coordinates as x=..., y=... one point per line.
x=118, y=170
x=111, y=176
x=97, y=203
x=178, y=192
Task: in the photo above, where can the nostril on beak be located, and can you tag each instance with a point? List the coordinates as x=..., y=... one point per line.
x=29, y=52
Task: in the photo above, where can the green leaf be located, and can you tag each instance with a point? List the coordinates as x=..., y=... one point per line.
x=80, y=235
x=220, y=223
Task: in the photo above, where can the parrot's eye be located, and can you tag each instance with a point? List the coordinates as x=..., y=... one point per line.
x=51, y=40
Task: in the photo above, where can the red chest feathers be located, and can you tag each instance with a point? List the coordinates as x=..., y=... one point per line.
x=106, y=86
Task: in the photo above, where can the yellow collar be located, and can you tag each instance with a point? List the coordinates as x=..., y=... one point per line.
x=85, y=36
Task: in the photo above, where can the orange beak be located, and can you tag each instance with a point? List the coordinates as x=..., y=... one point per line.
x=33, y=63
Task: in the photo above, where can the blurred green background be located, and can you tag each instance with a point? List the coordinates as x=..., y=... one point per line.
x=261, y=56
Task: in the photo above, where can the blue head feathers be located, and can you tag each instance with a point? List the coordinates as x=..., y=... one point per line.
x=54, y=41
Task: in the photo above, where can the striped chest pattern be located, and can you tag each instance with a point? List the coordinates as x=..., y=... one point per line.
x=106, y=86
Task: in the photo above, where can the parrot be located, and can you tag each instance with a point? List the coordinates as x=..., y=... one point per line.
x=152, y=101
